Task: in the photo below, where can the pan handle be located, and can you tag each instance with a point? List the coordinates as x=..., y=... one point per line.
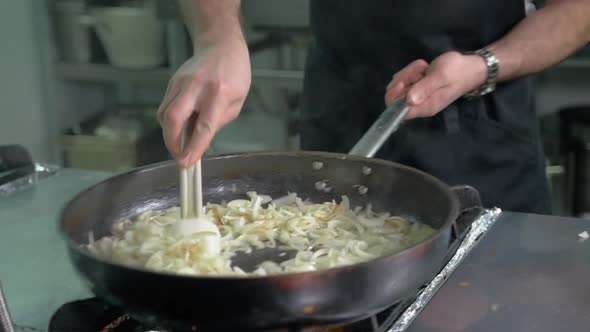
x=467, y=196
x=470, y=207
x=384, y=126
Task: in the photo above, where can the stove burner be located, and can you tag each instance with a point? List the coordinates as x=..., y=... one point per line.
x=94, y=315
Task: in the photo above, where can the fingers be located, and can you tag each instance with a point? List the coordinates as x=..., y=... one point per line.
x=429, y=95
x=172, y=90
x=395, y=91
x=427, y=86
x=175, y=116
x=434, y=103
x=412, y=72
x=204, y=128
x=404, y=79
x=191, y=119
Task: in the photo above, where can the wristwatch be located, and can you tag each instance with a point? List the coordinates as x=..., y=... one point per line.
x=492, y=65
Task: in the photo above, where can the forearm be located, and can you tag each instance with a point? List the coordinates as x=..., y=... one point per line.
x=209, y=21
x=544, y=38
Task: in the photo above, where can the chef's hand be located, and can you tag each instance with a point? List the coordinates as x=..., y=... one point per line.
x=206, y=93
x=429, y=88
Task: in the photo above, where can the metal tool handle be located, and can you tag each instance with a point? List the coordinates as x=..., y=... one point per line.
x=5, y=320
x=384, y=126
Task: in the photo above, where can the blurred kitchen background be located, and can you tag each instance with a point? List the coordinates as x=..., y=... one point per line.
x=80, y=88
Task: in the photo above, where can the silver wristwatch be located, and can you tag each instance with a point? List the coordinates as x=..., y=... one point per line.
x=492, y=65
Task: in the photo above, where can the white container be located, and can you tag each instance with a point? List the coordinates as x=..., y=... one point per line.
x=73, y=37
x=133, y=37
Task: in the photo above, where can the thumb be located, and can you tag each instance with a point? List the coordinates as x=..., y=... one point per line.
x=426, y=87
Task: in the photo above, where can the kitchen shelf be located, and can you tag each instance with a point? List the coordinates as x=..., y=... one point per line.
x=292, y=79
x=107, y=73
x=93, y=72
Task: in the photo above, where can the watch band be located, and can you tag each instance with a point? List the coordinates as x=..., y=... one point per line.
x=492, y=65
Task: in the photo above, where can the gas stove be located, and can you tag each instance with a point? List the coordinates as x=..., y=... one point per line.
x=95, y=315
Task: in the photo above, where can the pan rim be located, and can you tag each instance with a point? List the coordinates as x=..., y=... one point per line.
x=450, y=218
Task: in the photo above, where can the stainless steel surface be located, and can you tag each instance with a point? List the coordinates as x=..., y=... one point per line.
x=36, y=274
x=530, y=273
x=41, y=172
x=478, y=229
x=5, y=319
x=380, y=131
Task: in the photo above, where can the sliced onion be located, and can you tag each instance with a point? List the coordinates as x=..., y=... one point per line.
x=324, y=235
x=371, y=222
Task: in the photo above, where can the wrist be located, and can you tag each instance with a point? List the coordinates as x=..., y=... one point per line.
x=216, y=35
x=483, y=67
x=211, y=22
x=478, y=69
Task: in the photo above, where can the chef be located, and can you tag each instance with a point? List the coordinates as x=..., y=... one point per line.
x=463, y=66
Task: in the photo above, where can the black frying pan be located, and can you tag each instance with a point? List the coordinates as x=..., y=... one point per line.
x=282, y=302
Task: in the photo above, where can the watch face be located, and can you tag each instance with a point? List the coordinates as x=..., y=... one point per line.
x=487, y=90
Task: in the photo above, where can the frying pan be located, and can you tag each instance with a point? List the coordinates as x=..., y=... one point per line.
x=298, y=301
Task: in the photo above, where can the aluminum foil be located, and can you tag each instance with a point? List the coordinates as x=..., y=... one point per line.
x=478, y=228
x=42, y=171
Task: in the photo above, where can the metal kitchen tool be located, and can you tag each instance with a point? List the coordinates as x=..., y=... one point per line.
x=5, y=320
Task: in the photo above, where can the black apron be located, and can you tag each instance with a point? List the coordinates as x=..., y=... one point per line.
x=491, y=143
